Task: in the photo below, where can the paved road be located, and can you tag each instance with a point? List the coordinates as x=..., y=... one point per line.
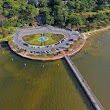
x=65, y=43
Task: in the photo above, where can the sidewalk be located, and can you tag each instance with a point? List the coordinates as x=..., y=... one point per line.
x=52, y=58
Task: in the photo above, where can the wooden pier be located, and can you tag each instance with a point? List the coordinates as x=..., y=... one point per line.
x=95, y=102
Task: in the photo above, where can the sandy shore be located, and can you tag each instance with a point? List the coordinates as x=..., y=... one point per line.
x=87, y=34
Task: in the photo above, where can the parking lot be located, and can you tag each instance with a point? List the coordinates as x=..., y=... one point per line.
x=70, y=37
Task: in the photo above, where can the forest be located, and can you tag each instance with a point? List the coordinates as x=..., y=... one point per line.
x=81, y=15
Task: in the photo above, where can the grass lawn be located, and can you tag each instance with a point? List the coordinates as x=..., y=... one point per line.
x=38, y=56
x=52, y=38
x=86, y=14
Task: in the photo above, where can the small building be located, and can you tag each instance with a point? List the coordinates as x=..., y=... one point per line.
x=34, y=23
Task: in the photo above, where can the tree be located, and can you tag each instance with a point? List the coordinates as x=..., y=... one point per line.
x=4, y=32
x=43, y=3
x=6, y=12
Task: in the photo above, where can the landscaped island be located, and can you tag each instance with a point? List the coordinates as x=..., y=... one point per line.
x=43, y=39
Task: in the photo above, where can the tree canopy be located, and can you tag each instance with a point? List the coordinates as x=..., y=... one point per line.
x=20, y=12
x=69, y=13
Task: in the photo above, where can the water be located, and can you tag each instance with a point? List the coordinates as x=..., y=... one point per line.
x=38, y=85
x=42, y=39
x=94, y=63
x=51, y=85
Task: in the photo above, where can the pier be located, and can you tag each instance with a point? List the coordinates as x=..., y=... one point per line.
x=95, y=102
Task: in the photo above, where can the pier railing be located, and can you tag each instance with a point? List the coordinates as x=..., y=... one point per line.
x=84, y=85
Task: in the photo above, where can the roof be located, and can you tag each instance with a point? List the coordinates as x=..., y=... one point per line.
x=35, y=23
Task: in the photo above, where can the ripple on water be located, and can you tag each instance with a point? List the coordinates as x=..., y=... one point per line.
x=95, y=66
x=36, y=88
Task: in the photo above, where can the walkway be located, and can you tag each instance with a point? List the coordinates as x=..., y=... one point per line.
x=84, y=85
x=51, y=58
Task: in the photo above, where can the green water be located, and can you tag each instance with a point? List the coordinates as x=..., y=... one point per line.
x=38, y=87
x=53, y=86
x=94, y=64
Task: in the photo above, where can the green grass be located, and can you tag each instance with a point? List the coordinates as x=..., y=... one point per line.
x=52, y=38
x=86, y=14
x=57, y=37
x=38, y=56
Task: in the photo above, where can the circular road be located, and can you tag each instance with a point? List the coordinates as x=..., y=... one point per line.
x=70, y=37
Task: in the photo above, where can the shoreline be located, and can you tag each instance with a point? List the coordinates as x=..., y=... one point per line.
x=51, y=58
x=85, y=35
x=96, y=31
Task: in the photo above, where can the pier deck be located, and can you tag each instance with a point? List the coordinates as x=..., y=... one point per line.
x=84, y=85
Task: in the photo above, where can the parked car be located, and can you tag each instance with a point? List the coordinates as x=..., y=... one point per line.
x=25, y=44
